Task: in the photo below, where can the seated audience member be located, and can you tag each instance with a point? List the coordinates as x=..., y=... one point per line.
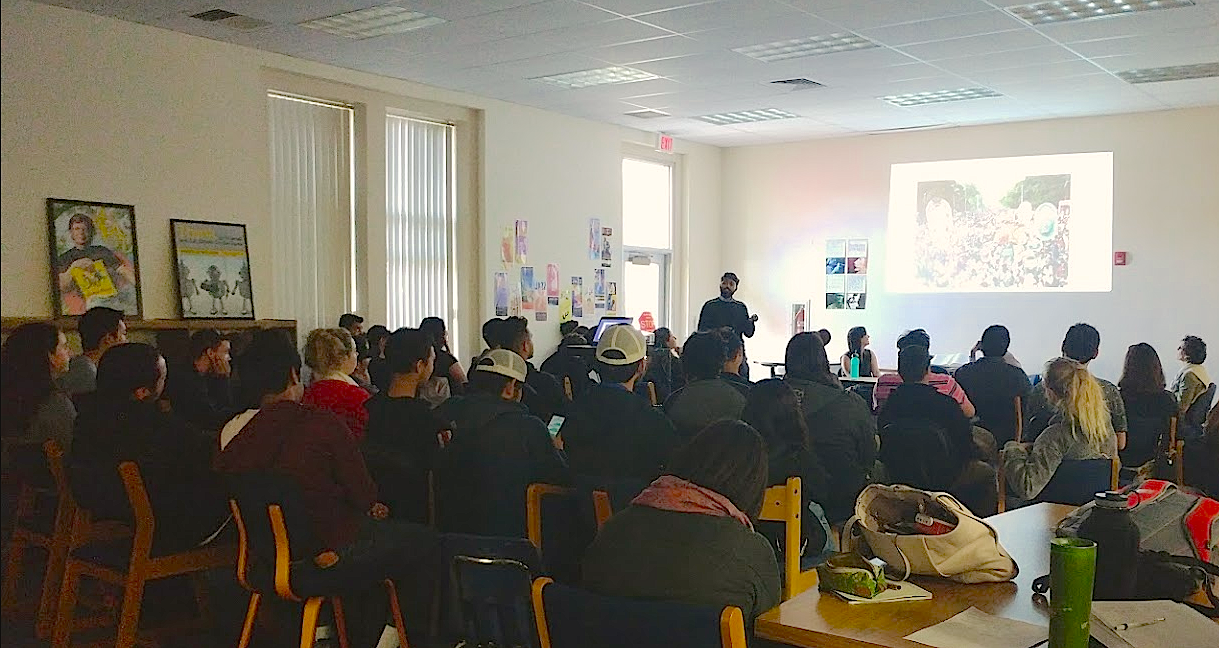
x=774, y=411
x=1007, y=355
x=353, y=324
x=992, y=384
x=32, y=408
x=378, y=369
x=611, y=432
x=1149, y=407
x=857, y=347
x=825, y=336
x=363, y=359
x=840, y=426
x=404, y=434
x=199, y=390
x=498, y=449
x=543, y=395
x=943, y=382
x=707, y=398
x=1083, y=430
x=447, y=366
x=734, y=358
x=1081, y=344
x=1202, y=455
x=493, y=336
x=1193, y=380
x=565, y=362
x=953, y=463
x=664, y=367
x=121, y=421
x=689, y=536
x=331, y=354
x=100, y=328
x=313, y=449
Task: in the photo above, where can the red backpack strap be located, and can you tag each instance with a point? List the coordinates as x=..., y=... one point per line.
x=1140, y=494
x=1199, y=524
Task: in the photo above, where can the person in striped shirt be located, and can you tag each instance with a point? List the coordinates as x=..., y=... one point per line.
x=943, y=383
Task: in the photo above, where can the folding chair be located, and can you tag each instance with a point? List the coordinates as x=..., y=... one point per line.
x=489, y=583
x=782, y=504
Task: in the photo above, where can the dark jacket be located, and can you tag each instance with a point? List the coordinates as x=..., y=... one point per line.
x=917, y=401
x=498, y=449
x=648, y=553
x=400, y=447
x=544, y=396
x=804, y=463
x=718, y=313
x=741, y=383
x=203, y=401
x=314, y=449
x=616, y=434
x=1147, y=415
x=702, y=403
x=188, y=499
x=666, y=372
x=841, y=427
x=565, y=363
x=992, y=386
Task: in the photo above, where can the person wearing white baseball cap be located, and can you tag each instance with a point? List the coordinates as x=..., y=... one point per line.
x=613, y=433
x=498, y=449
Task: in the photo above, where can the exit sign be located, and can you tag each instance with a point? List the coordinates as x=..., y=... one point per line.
x=664, y=143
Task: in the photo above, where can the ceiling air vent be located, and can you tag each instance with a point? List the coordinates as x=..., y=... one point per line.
x=798, y=83
x=214, y=15
x=231, y=20
x=647, y=113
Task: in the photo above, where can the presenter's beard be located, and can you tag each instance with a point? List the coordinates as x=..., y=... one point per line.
x=725, y=293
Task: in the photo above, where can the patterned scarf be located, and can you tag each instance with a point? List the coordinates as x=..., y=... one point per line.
x=669, y=493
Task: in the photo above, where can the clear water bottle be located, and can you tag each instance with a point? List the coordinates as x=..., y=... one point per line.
x=854, y=366
x=1117, y=546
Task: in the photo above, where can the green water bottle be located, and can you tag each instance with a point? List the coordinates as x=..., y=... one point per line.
x=1072, y=571
x=854, y=366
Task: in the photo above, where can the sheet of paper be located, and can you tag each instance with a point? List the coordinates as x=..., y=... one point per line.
x=974, y=628
x=905, y=591
x=1182, y=626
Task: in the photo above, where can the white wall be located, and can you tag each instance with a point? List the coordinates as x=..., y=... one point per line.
x=99, y=109
x=782, y=201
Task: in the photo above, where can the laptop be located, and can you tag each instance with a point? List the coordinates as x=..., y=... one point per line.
x=607, y=322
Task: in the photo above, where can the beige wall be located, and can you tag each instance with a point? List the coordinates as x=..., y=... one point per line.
x=99, y=109
x=781, y=202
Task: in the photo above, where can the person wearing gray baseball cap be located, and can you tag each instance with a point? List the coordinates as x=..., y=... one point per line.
x=498, y=449
x=613, y=433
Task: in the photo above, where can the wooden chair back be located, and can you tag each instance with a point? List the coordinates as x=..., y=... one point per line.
x=603, y=508
x=652, y=393
x=568, y=617
x=567, y=388
x=534, y=500
x=783, y=504
x=1019, y=420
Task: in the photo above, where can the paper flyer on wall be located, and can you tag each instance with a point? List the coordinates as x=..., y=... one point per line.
x=577, y=297
x=799, y=318
x=588, y=303
x=856, y=283
x=522, y=241
x=599, y=283
x=527, y=287
x=857, y=248
x=835, y=301
x=565, y=307
x=514, y=302
x=501, y=294
x=552, y=284
x=507, y=245
x=607, y=248
x=835, y=248
x=539, y=301
x=835, y=283
x=594, y=239
x=611, y=299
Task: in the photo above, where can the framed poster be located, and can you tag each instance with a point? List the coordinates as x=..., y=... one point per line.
x=94, y=260
x=212, y=266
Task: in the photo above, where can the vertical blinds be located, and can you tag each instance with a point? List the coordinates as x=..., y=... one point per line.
x=419, y=221
x=312, y=209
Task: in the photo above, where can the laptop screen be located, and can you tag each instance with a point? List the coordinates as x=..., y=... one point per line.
x=607, y=322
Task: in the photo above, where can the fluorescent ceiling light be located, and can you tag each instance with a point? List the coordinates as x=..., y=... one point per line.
x=599, y=76
x=373, y=21
x=939, y=96
x=1170, y=73
x=1056, y=11
x=809, y=46
x=745, y=116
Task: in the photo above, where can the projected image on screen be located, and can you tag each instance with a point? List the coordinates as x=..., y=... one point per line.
x=1039, y=223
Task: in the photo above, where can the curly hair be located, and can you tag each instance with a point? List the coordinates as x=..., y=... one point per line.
x=326, y=349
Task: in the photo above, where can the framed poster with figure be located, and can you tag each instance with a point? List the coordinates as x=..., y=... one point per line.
x=94, y=261
x=212, y=266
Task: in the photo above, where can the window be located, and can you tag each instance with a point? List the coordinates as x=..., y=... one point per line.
x=647, y=238
x=419, y=238
x=312, y=209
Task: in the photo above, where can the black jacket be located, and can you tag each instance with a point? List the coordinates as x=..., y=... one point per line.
x=497, y=450
x=718, y=313
x=917, y=401
x=666, y=372
x=188, y=499
x=544, y=396
x=565, y=363
x=616, y=434
x=841, y=428
x=203, y=401
x=400, y=446
x=992, y=386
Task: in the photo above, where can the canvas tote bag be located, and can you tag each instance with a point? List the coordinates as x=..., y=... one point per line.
x=968, y=553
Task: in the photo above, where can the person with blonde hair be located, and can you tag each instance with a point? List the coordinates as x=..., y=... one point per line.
x=331, y=354
x=1080, y=429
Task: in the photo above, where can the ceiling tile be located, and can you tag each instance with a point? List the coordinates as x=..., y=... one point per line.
x=923, y=31
x=746, y=31
x=651, y=50
x=1002, y=60
x=876, y=13
x=448, y=9
x=971, y=45
x=1056, y=70
x=633, y=7
x=718, y=15
x=1159, y=58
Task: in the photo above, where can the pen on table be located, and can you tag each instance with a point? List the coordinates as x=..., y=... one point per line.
x=1128, y=626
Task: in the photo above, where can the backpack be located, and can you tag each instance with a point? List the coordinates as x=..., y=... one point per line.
x=1178, y=540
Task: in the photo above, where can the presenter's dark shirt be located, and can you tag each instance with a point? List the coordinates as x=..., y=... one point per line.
x=719, y=313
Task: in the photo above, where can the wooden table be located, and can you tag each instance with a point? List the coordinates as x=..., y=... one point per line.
x=826, y=621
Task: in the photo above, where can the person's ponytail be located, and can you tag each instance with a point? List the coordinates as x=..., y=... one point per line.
x=1080, y=398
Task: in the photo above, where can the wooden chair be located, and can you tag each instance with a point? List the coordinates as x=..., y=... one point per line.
x=602, y=507
x=259, y=574
x=1019, y=422
x=129, y=567
x=652, y=393
x=567, y=388
x=782, y=504
x=34, y=525
x=568, y=617
x=1073, y=483
x=533, y=508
